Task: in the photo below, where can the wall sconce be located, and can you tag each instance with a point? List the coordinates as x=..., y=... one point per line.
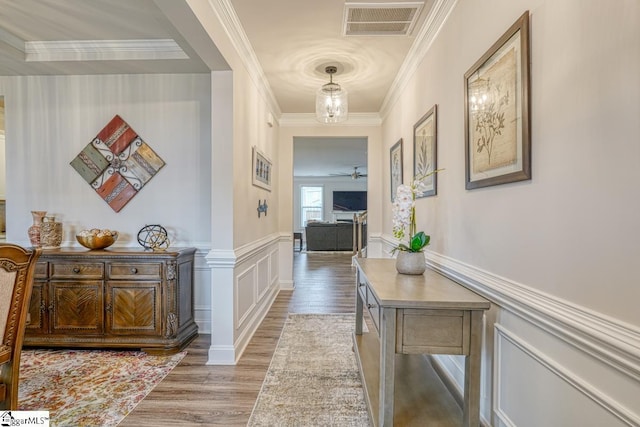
x=262, y=207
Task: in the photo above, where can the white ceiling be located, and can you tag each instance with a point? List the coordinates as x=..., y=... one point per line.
x=334, y=157
x=292, y=41
x=24, y=22
x=295, y=39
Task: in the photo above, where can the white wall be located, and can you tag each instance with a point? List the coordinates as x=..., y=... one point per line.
x=49, y=120
x=554, y=254
x=245, y=249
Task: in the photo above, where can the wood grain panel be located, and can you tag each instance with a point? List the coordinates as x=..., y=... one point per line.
x=135, y=309
x=78, y=307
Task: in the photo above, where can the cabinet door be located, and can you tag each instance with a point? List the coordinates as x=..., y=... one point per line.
x=76, y=307
x=38, y=320
x=134, y=308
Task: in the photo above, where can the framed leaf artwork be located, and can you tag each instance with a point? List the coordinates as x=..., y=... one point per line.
x=425, y=151
x=496, y=117
x=395, y=165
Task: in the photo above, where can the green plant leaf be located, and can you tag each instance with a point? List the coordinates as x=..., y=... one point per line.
x=419, y=241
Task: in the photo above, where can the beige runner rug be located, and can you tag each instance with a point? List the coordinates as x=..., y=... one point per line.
x=89, y=387
x=313, y=379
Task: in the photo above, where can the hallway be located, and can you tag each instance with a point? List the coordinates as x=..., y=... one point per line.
x=198, y=394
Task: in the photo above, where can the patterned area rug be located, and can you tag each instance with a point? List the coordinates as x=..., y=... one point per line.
x=89, y=387
x=313, y=379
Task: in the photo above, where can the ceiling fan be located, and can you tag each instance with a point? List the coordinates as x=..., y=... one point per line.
x=354, y=175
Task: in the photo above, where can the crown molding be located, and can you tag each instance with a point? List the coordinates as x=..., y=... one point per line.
x=101, y=50
x=232, y=26
x=428, y=32
x=309, y=120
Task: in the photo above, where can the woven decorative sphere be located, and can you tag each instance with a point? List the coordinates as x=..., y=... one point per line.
x=153, y=237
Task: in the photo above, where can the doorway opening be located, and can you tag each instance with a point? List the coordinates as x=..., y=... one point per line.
x=329, y=182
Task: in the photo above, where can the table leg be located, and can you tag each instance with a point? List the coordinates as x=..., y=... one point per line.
x=471, y=417
x=387, y=366
x=359, y=305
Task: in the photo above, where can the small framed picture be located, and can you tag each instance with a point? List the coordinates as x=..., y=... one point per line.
x=425, y=151
x=395, y=165
x=262, y=170
x=496, y=115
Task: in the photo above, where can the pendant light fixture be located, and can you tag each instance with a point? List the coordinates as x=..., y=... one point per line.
x=332, y=105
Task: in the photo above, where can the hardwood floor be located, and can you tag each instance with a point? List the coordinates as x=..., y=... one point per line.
x=197, y=394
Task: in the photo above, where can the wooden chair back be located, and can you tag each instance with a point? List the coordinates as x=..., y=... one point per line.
x=17, y=267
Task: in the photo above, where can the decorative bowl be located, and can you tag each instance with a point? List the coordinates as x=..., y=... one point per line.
x=99, y=239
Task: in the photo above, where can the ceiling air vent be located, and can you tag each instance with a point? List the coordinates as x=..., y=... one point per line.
x=380, y=19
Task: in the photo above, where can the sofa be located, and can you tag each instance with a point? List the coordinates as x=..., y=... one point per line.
x=330, y=236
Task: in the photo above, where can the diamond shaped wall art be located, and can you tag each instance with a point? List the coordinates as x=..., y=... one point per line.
x=117, y=163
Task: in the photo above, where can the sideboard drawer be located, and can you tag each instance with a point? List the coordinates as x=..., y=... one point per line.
x=72, y=270
x=41, y=270
x=135, y=271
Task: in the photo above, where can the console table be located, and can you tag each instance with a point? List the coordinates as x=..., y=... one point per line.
x=113, y=298
x=413, y=316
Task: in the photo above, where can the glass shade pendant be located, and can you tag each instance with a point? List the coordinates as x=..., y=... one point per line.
x=332, y=105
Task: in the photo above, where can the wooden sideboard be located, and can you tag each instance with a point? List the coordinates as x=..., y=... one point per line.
x=113, y=298
x=413, y=316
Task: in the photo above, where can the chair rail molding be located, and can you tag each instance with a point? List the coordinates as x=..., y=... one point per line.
x=609, y=340
x=229, y=258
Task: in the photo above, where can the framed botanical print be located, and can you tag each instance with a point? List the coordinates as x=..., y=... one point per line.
x=262, y=170
x=496, y=117
x=395, y=164
x=425, y=151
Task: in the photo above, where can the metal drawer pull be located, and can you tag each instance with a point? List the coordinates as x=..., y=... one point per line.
x=134, y=270
x=76, y=270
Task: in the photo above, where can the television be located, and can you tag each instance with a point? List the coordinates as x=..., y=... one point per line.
x=349, y=201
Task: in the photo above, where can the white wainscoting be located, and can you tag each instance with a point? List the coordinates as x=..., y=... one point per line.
x=533, y=389
x=546, y=361
x=202, y=291
x=247, y=283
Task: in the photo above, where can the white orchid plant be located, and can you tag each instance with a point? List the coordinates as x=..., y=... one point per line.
x=404, y=215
